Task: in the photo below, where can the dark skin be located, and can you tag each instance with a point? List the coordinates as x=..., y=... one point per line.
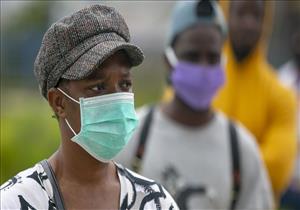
x=245, y=26
x=86, y=183
x=202, y=45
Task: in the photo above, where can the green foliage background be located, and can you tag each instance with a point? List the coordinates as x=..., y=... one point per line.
x=28, y=133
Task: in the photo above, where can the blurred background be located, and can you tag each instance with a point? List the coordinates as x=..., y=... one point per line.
x=28, y=132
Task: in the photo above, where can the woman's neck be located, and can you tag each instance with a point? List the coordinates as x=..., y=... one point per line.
x=72, y=162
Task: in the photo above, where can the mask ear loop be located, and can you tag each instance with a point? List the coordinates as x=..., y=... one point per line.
x=67, y=122
x=63, y=92
x=169, y=52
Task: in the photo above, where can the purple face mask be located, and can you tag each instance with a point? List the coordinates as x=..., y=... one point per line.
x=195, y=84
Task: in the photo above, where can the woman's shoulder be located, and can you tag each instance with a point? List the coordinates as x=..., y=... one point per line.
x=29, y=189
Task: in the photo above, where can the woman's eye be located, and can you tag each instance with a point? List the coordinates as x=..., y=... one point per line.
x=98, y=87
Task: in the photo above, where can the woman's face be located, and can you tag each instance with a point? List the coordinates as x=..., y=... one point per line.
x=112, y=76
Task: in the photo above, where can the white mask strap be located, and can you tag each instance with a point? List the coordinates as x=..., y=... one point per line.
x=68, y=95
x=70, y=127
x=169, y=52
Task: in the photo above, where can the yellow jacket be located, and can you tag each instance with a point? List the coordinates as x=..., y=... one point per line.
x=253, y=95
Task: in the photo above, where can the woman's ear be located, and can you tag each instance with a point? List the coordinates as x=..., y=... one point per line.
x=57, y=102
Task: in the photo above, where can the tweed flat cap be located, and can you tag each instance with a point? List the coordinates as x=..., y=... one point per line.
x=75, y=45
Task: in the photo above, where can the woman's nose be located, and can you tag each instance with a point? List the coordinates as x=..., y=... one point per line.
x=114, y=88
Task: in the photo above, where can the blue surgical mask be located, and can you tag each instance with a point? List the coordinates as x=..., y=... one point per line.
x=107, y=124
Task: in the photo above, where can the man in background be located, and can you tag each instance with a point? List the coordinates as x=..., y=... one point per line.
x=203, y=159
x=253, y=95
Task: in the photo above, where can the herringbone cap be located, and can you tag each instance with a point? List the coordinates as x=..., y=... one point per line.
x=75, y=45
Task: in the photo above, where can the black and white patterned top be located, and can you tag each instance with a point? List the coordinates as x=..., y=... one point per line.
x=32, y=189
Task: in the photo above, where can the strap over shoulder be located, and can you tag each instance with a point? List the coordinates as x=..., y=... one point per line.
x=56, y=193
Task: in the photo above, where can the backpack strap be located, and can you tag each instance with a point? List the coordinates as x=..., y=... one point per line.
x=56, y=193
x=139, y=153
x=236, y=170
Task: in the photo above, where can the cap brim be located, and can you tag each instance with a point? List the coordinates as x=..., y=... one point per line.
x=86, y=63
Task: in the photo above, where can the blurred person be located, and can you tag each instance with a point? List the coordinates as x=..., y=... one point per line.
x=289, y=74
x=83, y=70
x=202, y=158
x=253, y=94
